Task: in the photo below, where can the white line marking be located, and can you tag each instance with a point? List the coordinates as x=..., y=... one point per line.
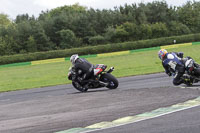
x=185, y=87
x=142, y=119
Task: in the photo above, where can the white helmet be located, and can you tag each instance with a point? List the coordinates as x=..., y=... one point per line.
x=73, y=58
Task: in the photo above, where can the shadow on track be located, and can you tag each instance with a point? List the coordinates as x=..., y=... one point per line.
x=92, y=91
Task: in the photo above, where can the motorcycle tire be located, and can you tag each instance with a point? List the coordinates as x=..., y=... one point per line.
x=197, y=71
x=110, y=79
x=78, y=87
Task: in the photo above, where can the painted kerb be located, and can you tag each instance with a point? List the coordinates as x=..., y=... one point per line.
x=176, y=45
x=100, y=55
x=136, y=118
x=16, y=64
x=48, y=61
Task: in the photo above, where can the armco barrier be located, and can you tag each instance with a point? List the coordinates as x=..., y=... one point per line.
x=100, y=55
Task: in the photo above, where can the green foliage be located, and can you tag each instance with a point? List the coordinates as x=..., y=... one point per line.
x=24, y=77
x=177, y=28
x=71, y=9
x=159, y=30
x=31, y=44
x=24, y=17
x=121, y=34
x=189, y=15
x=4, y=20
x=110, y=34
x=68, y=39
x=157, y=12
x=98, y=49
x=96, y=40
x=131, y=29
x=145, y=31
x=42, y=40
x=77, y=26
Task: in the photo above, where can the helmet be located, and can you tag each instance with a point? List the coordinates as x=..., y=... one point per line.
x=162, y=53
x=73, y=58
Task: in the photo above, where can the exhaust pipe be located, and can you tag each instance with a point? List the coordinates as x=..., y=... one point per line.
x=110, y=70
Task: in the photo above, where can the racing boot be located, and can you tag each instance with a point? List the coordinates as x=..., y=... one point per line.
x=188, y=80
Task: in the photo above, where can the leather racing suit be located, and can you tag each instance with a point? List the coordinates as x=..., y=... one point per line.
x=172, y=62
x=83, y=68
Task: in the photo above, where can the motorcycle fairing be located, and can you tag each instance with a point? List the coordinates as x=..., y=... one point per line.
x=172, y=60
x=99, y=68
x=97, y=71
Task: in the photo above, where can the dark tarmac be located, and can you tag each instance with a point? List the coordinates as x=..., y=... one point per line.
x=57, y=108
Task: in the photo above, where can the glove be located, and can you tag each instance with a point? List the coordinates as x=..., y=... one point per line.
x=79, y=72
x=169, y=74
x=180, y=54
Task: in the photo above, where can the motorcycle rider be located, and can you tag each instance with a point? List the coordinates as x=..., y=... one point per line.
x=173, y=63
x=83, y=68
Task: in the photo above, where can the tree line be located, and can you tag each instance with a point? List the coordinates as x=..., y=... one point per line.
x=77, y=26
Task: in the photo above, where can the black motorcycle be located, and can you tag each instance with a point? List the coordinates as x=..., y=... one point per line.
x=100, y=78
x=192, y=72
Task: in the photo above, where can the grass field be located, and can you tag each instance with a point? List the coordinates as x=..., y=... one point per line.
x=25, y=77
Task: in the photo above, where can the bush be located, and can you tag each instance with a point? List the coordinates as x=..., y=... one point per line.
x=99, y=49
x=96, y=40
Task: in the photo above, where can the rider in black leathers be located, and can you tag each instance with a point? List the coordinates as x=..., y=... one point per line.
x=82, y=67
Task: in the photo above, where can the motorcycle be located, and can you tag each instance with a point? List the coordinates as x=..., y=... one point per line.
x=100, y=78
x=192, y=72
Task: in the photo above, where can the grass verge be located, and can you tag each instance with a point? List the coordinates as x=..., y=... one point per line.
x=25, y=77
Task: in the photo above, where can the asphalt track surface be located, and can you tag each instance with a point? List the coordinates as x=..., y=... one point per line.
x=186, y=121
x=57, y=108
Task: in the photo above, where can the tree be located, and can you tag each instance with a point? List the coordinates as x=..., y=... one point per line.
x=76, y=8
x=110, y=34
x=68, y=39
x=76, y=25
x=24, y=30
x=31, y=44
x=132, y=30
x=4, y=20
x=96, y=40
x=8, y=45
x=126, y=32
x=189, y=15
x=8, y=39
x=145, y=31
x=141, y=11
x=121, y=34
x=42, y=40
x=177, y=28
x=21, y=18
x=157, y=11
x=159, y=30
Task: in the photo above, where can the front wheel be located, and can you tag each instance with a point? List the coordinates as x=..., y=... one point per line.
x=110, y=79
x=78, y=86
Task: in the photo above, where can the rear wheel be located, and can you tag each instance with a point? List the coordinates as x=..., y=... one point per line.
x=197, y=71
x=78, y=86
x=110, y=79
